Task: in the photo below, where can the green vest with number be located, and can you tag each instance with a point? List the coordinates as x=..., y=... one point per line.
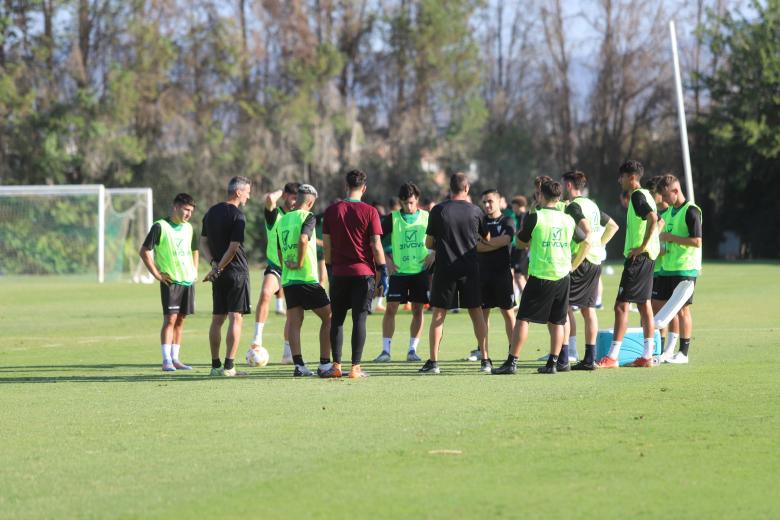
x=592, y=214
x=665, y=215
x=550, y=252
x=408, y=242
x=271, y=253
x=173, y=255
x=288, y=229
x=636, y=227
x=678, y=257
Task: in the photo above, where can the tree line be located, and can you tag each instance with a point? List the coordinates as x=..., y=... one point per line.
x=181, y=94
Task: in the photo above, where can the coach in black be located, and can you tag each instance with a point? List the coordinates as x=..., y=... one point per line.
x=454, y=228
x=222, y=245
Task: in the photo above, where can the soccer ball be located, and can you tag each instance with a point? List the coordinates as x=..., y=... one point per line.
x=257, y=357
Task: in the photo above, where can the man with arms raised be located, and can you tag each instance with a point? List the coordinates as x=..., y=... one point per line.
x=175, y=265
x=351, y=238
x=302, y=290
x=408, y=265
x=222, y=244
x=277, y=203
x=454, y=228
x=550, y=233
x=583, y=292
x=636, y=283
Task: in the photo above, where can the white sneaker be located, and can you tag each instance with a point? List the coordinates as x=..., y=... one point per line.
x=678, y=359
x=475, y=355
x=666, y=357
x=287, y=360
x=384, y=357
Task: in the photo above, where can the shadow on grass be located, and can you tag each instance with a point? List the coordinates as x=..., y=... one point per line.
x=152, y=373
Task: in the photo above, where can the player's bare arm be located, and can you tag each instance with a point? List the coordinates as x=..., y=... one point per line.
x=223, y=262
x=272, y=198
x=683, y=241
x=609, y=231
x=148, y=259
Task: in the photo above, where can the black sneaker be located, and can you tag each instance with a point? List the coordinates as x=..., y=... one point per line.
x=486, y=365
x=547, y=370
x=563, y=368
x=506, y=369
x=582, y=365
x=430, y=367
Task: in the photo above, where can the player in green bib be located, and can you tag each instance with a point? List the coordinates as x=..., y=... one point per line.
x=171, y=255
x=682, y=237
x=585, y=279
x=636, y=283
x=277, y=203
x=297, y=248
x=550, y=233
x=408, y=262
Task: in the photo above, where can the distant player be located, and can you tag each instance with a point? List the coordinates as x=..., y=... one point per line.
x=683, y=238
x=277, y=203
x=222, y=244
x=302, y=290
x=407, y=261
x=583, y=292
x=454, y=228
x=495, y=268
x=352, y=241
x=550, y=233
x=171, y=255
x=519, y=255
x=636, y=283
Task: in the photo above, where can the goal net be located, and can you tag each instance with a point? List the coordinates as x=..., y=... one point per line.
x=74, y=229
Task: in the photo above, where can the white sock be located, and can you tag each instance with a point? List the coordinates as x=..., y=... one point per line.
x=175, y=351
x=258, y=333
x=671, y=342
x=386, y=344
x=413, y=342
x=279, y=305
x=614, y=349
x=166, y=352
x=287, y=351
x=649, y=347
x=573, y=347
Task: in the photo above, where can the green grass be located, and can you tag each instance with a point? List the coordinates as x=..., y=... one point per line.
x=91, y=428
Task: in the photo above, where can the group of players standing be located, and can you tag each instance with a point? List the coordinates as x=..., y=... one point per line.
x=455, y=256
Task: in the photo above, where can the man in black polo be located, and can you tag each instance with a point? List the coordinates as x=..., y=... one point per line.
x=222, y=244
x=454, y=228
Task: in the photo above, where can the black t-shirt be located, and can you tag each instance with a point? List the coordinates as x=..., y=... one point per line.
x=524, y=235
x=497, y=262
x=153, y=237
x=693, y=221
x=224, y=223
x=575, y=211
x=456, y=225
x=641, y=207
x=270, y=217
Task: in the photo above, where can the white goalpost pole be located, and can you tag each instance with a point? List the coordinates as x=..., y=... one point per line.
x=681, y=114
x=101, y=252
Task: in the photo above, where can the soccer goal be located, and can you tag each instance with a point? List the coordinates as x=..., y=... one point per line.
x=74, y=229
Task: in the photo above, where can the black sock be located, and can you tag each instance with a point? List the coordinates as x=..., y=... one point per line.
x=551, y=360
x=298, y=360
x=228, y=363
x=563, y=357
x=216, y=363
x=512, y=360
x=663, y=343
x=685, y=345
x=590, y=353
x=324, y=360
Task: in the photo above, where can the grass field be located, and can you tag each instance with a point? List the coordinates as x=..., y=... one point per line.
x=91, y=428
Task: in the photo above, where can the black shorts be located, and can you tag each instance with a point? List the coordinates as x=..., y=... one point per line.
x=636, y=282
x=230, y=293
x=498, y=291
x=545, y=301
x=274, y=270
x=352, y=292
x=584, y=289
x=309, y=296
x=177, y=299
x=408, y=288
x=519, y=261
x=664, y=286
x=451, y=293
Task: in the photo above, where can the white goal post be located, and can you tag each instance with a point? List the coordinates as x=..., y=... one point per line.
x=102, y=196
